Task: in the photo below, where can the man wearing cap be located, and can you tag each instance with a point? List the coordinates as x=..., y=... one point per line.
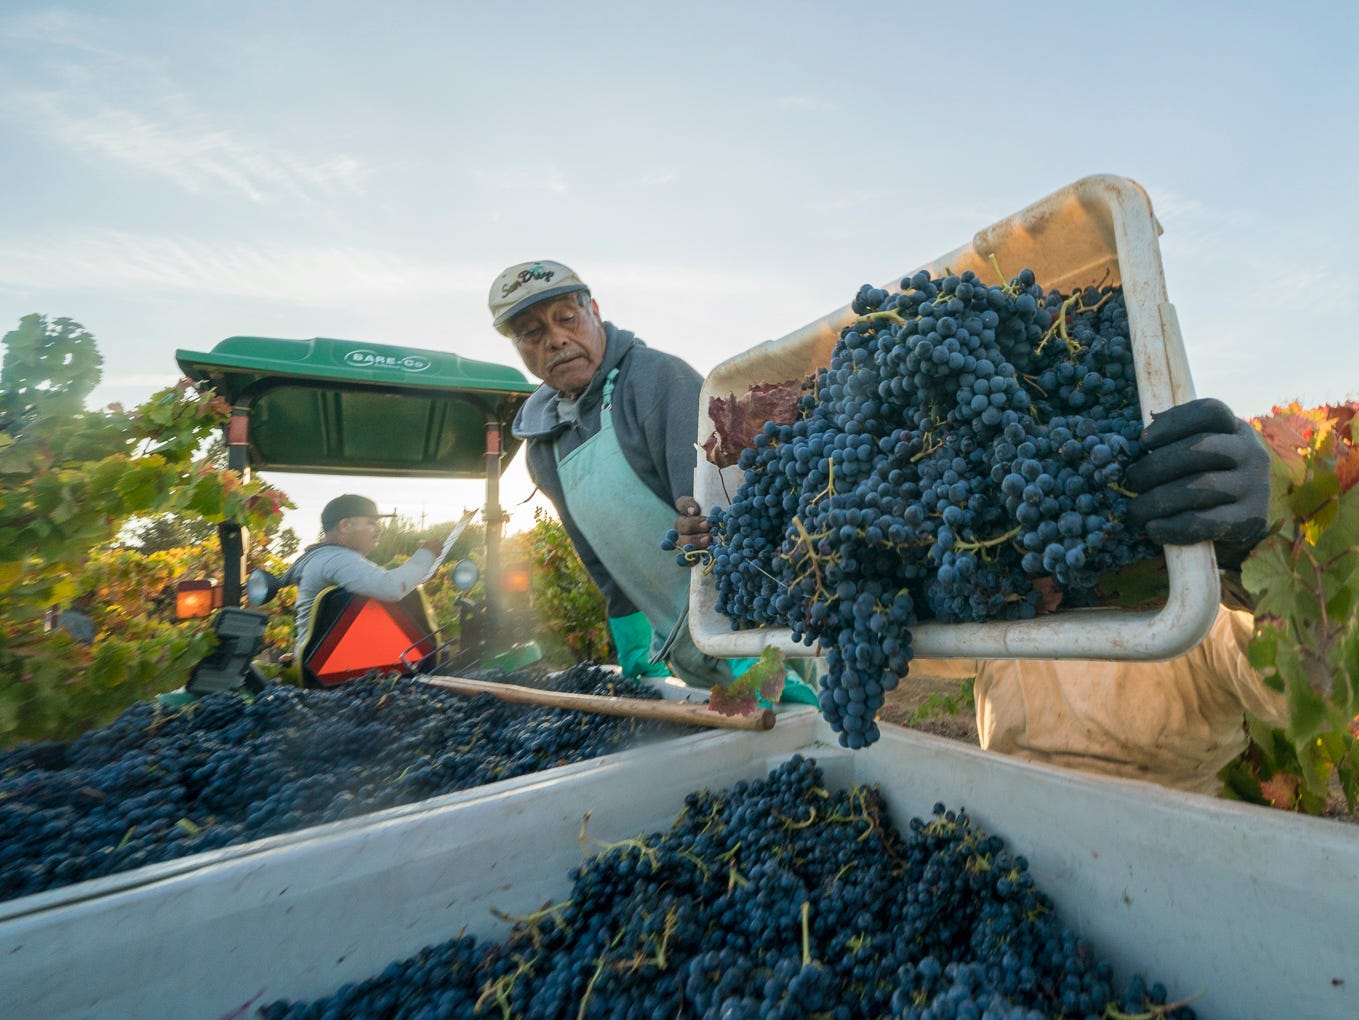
x=610, y=440
x=351, y=531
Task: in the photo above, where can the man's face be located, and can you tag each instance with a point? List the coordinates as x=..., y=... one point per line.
x=360, y=533
x=560, y=342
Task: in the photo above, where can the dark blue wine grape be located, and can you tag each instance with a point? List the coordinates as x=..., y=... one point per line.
x=962, y=453
x=776, y=899
x=157, y=784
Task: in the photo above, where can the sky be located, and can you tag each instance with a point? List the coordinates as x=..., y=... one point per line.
x=720, y=174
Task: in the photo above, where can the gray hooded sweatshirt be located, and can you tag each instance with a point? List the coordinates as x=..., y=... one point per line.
x=655, y=415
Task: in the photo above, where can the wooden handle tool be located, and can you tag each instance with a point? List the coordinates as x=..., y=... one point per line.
x=679, y=712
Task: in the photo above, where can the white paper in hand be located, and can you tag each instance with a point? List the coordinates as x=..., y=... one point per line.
x=453, y=536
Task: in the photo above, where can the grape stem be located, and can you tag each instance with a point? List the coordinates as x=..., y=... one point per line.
x=987, y=543
x=1008, y=285
x=1153, y=1012
x=585, y=996
x=499, y=990
x=829, y=490
x=1075, y=304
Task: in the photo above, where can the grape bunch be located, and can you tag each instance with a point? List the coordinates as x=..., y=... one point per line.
x=157, y=784
x=777, y=899
x=686, y=553
x=960, y=459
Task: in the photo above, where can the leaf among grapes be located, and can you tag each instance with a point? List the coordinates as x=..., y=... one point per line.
x=737, y=419
x=762, y=680
x=726, y=701
x=1051, y=593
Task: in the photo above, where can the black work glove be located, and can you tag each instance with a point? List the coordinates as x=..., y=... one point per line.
x=1205, y=478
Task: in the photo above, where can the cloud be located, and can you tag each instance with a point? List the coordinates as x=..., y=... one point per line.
x=805, y=104
x=181, y=146
x=1317, y=290
x=52, y=28
x=1236, y=244
x=1197, y=226
x=109, y=106
x=656, y=281
x=123, y=262
x=526, y=178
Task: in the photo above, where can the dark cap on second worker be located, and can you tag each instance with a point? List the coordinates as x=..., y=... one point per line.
x=348, y=505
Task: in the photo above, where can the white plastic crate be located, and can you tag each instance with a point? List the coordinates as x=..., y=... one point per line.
x=1099, y=230
x=1248, y=906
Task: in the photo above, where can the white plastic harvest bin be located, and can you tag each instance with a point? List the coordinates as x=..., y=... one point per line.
x=1099, y=230
x=1249, y=906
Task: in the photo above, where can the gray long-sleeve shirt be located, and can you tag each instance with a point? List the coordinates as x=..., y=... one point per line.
x=326, y=565
x=655, y=412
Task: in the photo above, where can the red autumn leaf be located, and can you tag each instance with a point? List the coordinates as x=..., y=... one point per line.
x=1288, y=434
x=737, y=420
x=1281, y=790
x=1342, y=416
x=1347, y=467
x=727, y=702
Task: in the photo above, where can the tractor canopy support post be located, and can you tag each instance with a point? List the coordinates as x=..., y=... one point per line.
x=234, y=539
x=495, y=518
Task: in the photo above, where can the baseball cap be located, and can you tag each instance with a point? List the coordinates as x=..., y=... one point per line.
x=348, y=505
x=524, y=285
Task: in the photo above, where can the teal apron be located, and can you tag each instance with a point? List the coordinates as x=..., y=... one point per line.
x=624, y=521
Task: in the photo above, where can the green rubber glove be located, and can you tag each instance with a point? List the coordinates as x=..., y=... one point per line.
x=632, y=638
x=798, y=691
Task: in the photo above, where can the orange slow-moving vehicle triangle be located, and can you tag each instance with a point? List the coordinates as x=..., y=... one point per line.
x=368, y=635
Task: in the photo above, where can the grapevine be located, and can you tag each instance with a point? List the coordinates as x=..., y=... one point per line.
x=1304, y=578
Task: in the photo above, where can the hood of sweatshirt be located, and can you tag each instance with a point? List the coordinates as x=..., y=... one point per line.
x=541, y=414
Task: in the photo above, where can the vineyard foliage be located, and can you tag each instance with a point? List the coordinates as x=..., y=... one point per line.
x=70, y=481
x=570, y=609
x=92, y=504
x=1305, y=581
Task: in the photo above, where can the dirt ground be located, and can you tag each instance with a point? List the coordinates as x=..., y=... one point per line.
x=940, y=705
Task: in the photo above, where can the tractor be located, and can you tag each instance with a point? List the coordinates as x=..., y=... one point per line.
x=353, y=408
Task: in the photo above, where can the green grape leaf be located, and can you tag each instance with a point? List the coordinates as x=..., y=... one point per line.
x=207, y=496
x=143, y=484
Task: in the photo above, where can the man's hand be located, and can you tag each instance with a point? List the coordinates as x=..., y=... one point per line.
x=1205, y=478
x=691, y=524
x=434, y=545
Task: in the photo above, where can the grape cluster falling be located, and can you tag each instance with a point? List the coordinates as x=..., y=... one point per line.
x=959, y=460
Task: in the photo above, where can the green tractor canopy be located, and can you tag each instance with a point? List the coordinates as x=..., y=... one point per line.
x=346, y=407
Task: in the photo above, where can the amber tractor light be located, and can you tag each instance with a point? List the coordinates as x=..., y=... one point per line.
x=517, y=580
x=196, y=599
